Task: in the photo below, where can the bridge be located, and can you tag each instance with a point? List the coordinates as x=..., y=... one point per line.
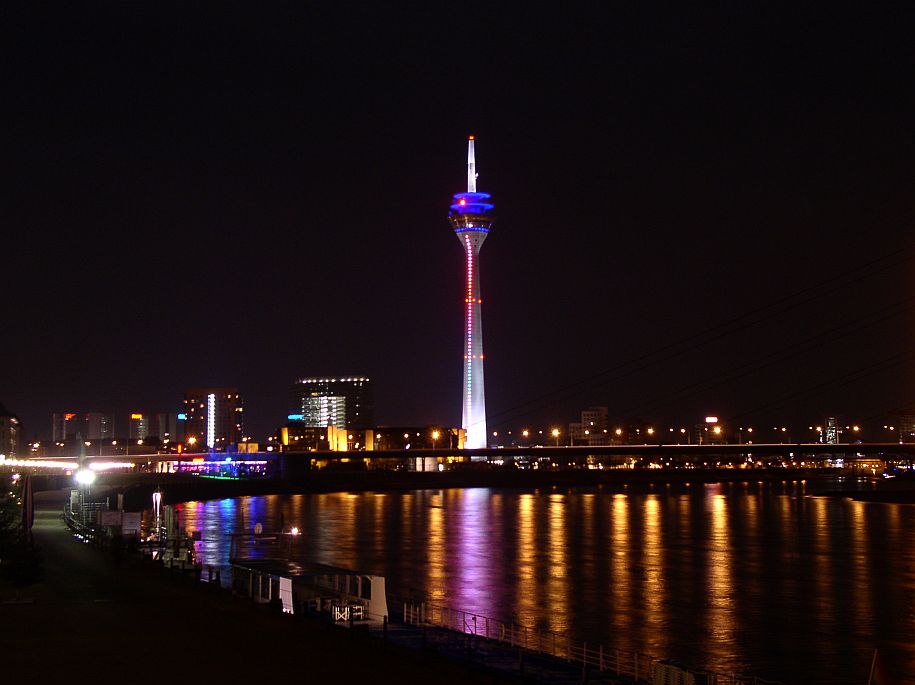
x=681, y=454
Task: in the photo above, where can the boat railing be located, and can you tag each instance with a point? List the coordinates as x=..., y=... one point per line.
x=638, y=666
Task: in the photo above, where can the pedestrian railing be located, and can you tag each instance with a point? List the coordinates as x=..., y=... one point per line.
x=634, y=665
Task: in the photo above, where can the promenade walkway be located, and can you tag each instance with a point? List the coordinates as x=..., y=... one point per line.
x=95, y=617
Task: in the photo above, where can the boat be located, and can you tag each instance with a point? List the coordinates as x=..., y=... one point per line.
x=340, y=594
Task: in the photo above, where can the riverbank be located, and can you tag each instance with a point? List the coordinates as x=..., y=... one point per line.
x=97, y=617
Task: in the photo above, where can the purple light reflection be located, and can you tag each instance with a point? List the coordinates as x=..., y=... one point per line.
x=475, y=574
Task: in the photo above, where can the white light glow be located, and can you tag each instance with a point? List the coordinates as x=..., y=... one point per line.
x=84, y=476
x=211, y=420
x=109, y=465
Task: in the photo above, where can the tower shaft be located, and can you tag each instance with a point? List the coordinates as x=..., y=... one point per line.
x=474, y=414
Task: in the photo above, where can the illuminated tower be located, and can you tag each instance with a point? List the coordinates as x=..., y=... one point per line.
x=471, y=216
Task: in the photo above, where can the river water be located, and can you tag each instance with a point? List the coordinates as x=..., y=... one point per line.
x=751, y=578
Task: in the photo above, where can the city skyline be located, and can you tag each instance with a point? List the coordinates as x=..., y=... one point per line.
x=701, y=212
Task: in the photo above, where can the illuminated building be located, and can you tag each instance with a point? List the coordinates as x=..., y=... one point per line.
x=471, y=217
x=213, y=417
x=344, y=402
x=137, y=426
x=10, y=432
x=833, y=430
x=295, y=436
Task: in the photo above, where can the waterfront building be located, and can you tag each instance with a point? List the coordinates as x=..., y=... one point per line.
x=10, y=432
x=471, y=216
x=346, y=402
x=295, y=436
x=213, y=417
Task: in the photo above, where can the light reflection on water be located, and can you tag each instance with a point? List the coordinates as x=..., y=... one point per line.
x=736, y=578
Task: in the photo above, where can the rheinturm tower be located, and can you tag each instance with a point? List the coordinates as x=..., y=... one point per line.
x=471, y=216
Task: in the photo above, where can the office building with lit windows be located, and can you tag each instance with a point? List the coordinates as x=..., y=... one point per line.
x=345, y=402
x=213, y=418
x=471, y=216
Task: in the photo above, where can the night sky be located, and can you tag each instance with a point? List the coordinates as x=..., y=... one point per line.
x=699, y=211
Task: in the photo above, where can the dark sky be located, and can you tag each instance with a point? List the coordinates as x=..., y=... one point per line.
x=700, y=211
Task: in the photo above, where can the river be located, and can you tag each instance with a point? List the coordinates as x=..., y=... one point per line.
x=751, y=578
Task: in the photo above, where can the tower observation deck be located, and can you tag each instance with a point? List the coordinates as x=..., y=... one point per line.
x=471, y=216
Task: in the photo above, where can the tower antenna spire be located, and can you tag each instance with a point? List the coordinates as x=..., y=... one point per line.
x=471, y=168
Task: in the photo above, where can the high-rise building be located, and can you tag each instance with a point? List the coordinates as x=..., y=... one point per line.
x=138, y=425
x=471, y=217
x=98, y=426
x=213, y=417
x=65, y=426
x=10, y=432
x=343, y=402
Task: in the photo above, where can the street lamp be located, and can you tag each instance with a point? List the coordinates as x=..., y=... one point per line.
x=555, y=433
x=84, y=476
x=435, y=435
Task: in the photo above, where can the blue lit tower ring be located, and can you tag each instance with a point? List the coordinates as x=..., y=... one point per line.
x=471, y=216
